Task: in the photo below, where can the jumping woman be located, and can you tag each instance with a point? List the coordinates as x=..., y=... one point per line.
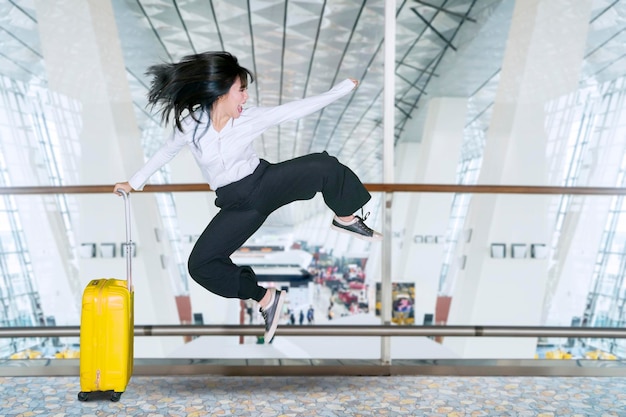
x=205, y=94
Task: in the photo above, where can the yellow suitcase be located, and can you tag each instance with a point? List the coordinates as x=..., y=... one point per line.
x=107, y=331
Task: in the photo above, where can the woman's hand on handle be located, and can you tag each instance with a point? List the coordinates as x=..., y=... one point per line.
x=122, y=186
x=355, y=81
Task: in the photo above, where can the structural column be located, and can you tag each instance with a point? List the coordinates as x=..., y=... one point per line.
x=542, y=62
x=425, y=216
x=84, y=61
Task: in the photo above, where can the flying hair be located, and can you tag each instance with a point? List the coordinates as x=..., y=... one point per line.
x=194, y=83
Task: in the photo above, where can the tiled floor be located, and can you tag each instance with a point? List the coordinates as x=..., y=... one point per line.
x=322, y=396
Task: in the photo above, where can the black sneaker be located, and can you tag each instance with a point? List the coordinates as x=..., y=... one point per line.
x=271, y=314
x=356, y=228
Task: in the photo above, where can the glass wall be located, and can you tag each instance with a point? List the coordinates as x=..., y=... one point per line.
x=46, y=259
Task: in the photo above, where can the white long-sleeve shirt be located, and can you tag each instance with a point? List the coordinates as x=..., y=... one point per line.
x=228, y=156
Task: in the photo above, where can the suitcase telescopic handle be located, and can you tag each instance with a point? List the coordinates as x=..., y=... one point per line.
x=128, y=247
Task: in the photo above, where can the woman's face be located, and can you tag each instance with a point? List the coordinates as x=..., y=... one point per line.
x=232, y=103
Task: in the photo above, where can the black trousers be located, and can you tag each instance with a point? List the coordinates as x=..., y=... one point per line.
x=245, y=205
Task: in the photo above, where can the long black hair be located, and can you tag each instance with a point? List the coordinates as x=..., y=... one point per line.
x=195, y=82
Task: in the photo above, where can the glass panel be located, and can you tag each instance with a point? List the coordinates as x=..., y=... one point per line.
x=456, y=258
x=576, y=281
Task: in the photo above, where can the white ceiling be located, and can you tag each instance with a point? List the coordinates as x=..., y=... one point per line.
x=303, y=47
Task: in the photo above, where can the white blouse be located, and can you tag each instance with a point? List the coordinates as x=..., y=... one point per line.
x=228, y=156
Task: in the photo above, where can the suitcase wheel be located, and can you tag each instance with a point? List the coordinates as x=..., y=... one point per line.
x=115, y=396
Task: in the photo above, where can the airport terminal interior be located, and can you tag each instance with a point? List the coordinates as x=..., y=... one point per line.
x=491, y=135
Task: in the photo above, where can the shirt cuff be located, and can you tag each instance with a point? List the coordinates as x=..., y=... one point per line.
x=136, y=183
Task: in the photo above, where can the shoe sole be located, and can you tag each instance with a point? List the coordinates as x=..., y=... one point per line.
x=269, y=335
x=358, y=236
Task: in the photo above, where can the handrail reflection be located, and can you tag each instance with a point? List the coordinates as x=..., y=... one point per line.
x=339, y=330
x=373, y=187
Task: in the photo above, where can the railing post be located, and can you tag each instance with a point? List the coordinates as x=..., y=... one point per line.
x=157, y=330
x=388, y=170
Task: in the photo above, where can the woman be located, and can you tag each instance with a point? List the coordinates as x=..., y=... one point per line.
x=206, y=93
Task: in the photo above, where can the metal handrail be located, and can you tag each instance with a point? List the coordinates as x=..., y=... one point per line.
x=339, y=330
x=373, y=187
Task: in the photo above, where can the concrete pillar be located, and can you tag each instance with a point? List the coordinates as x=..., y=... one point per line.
x=426, y=215
x=84, y=61
x=407, y=154
x=542, y=62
